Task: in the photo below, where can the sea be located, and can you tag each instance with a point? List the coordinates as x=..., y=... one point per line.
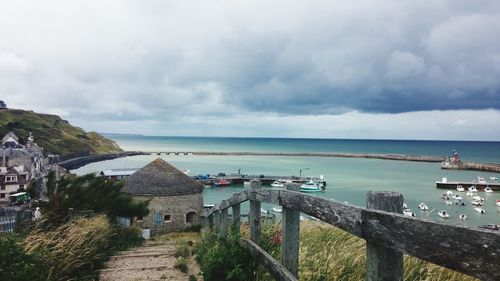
x=348, y=179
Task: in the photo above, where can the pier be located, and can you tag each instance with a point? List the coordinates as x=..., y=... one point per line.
x=400, y=157
x=480, y=186
x=474, y=166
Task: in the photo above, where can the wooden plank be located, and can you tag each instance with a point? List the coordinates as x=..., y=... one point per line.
x=384, y=264
x=217, y=221
x=341, y=215
x=254, y=215
x=469, y=250
x=236, y=198
x=290, y=246
x=277, y=270
x=223, y=222
x=236, y=215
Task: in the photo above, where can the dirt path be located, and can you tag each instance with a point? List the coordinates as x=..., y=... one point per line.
x=155, y=260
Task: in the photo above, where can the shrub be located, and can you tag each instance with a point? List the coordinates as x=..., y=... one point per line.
x=222, y=258
x=182, y=251
x=126, y=237
x=181, y=265
x=193, y=228
x=192, y=278
x=17, y=265
x=74, y=250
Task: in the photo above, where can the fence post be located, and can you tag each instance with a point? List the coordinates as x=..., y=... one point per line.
x=217, y=221
x=290, y=246
x=384, y=264
x=236, y=215
x=223, y=222
x=254, y=216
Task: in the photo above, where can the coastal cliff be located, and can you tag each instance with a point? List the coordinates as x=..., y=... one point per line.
x=55, y=135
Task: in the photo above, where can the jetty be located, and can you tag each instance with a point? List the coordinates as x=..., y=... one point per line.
x=388, y=233
x=475, y=166
x=400, y=157
x=495, y=186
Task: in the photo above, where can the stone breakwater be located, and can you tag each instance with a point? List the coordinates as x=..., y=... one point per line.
x=75, y=163
x=475, y=166
x=400, y=157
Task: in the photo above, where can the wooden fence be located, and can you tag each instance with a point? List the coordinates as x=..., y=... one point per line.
x=389, y=234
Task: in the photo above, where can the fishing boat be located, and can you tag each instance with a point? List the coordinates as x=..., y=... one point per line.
x=222, y=182
x=479, y=210
x=460, y=188
x=457, y=197
x=408, y=213
x=310, y=186
x=277, y=209
x=278, y=183
x=488, y=189
x=443, y=214
x=472, y=188
x=462, y=217
x=422, y=206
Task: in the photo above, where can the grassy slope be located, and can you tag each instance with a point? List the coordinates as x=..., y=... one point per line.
x=54, y=134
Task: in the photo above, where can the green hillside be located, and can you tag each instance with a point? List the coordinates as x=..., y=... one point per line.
x=54, y=134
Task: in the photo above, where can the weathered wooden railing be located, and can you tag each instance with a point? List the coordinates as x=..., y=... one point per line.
x=388, y=233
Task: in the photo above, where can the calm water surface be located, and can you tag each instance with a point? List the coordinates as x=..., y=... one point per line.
x=348, y=179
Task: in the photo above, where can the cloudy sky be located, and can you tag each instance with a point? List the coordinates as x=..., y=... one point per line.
x=332, y=69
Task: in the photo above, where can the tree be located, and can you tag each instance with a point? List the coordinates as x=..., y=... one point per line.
x=88, y=193
x=3, y=105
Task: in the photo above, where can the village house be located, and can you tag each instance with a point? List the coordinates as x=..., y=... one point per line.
x=20, y=164
x=175, y=199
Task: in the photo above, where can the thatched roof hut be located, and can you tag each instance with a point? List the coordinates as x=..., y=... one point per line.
x=161, y=179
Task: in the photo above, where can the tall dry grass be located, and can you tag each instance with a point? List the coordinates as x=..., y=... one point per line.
x=73, y=250
x=328, y=253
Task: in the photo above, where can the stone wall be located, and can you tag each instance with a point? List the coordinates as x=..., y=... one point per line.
x=176, y=206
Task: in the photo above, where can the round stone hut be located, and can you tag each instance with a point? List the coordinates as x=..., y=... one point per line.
x=175, y=199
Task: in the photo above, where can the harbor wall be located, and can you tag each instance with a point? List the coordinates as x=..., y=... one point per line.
x=78, y=162
x=475, y=166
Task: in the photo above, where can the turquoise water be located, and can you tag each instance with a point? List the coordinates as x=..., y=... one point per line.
x=348, y=179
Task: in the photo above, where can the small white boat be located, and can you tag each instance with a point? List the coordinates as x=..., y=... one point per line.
x=472, y=188
x=277, y=209
x=310, y=186
x=264, y=211
x=462, y=217
x=476, y=203
x=246, y=184
x=479, y=210
x=498, y=202
x=449, y=203
x=493, y=178
x=449, y=193
x=457, y=197
x=443, y=214
x=277, y=184
x=488, y=189
x=480, y=180
x=405, y=206
x=422, y=206
x=460, y=188
x=478, y=198
x=408, y=213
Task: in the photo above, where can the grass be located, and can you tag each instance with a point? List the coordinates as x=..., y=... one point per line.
x=328, y=253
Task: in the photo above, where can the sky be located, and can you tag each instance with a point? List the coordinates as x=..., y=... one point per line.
x=392, y=69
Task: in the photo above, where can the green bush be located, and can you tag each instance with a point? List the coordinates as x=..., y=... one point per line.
x=17, y=265
x=126, y=237
x=181, y=265
x=193, y=228
x=182, y=251
x=222, y=258
x=192, y=278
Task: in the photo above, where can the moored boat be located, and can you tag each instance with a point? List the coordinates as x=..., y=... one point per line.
x=498, y=202
x=476, y=203
x=443, y=214
x=422, y=206
x=277, y=209
x=222, y=182
x=310, y=186
x=460, y=188
x=408, y=213
x=457, y=197
x=462, y=217
x=488, y=189
x=479, y=210
x=472, y=188
x=277, y=183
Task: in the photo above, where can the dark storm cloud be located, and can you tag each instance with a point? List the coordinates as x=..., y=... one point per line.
x=157, y=61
